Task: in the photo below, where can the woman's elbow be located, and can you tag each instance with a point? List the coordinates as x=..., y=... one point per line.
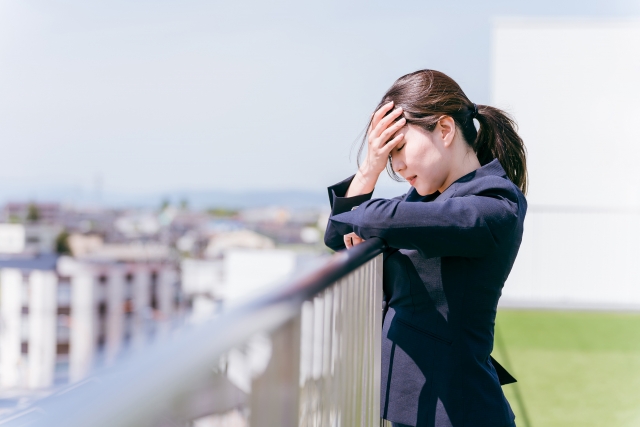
x=334, y=241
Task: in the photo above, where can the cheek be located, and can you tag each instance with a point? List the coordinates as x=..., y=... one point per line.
x=427, y=163
x=423, y=157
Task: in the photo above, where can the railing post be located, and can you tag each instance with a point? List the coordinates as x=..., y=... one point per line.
x=377, y=336
x=341, y=335
x=275, y=394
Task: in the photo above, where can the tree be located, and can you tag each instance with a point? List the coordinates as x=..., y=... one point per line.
x=62, y=244
x=33, y=213
x=164, y=204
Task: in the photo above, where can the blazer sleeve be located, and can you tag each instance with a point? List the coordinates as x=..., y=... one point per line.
x=333, y=237
x=469, y=226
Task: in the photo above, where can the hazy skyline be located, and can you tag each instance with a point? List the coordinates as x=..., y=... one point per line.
x=152, y=97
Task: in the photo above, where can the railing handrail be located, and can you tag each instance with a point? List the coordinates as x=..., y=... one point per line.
x=172, y=368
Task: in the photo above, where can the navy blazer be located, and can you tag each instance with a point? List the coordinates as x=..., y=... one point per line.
x=449, y=257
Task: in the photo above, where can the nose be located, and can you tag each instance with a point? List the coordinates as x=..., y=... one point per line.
x=397, y=164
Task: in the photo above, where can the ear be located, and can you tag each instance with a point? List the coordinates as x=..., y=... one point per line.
x=446, y=130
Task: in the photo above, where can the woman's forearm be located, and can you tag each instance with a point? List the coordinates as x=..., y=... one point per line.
x=363, y=183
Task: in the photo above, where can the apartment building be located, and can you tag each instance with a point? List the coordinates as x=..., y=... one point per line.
x=60, y=317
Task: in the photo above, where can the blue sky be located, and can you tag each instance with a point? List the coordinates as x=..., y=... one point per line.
x=160, y=96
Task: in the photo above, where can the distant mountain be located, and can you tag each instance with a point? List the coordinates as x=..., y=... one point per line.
x=196, y=199
x=247, y=199
x=202, y=199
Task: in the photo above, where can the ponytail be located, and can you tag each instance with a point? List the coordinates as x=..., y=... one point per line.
x=498, y=139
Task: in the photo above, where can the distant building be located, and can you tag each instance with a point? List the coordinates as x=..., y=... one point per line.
x=248, y=271
x=60, y=317
x=246, y=239
x=237, y=264
x=82, y=245
x=32, y=334
x=35, y=238
x=13, y=238
x=21, y=212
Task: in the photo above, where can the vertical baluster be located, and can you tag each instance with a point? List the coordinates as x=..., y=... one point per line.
x=339, y=395
x=355, y=350
x=361, y=328
x=348, y=344
x=376, y=266
x=374, y=328
x=319, y=361
x=335, y=353
x=306, y=403
x=342, y=355
x=312, y=382
x=326, y=347
x=353, y=362
x=275, y=395
x=371, y=416
x=366, y=299
x=332, y=354
x=375, y=332
x=335, y=357
x=361, y=362
x=348, y=416
x=336, y=398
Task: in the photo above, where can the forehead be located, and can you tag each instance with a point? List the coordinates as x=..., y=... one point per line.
x=412, y=132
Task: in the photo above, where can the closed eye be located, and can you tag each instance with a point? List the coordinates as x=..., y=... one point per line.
x=400, y=148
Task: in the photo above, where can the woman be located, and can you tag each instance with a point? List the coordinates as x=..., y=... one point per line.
x=452, y=239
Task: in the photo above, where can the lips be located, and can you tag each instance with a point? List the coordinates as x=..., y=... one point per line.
x=412, y=179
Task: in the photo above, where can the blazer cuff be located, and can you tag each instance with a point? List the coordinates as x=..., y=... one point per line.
x=340, y=203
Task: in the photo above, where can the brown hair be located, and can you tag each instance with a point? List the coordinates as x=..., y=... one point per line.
x=427, y=95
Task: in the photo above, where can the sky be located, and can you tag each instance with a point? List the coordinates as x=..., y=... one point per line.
x=145, y=97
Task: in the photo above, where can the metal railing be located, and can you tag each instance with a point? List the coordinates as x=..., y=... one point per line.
x=306, y=353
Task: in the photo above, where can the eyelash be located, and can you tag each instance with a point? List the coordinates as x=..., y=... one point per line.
x=400, y=148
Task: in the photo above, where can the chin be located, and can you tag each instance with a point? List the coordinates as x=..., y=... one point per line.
x=424, y=191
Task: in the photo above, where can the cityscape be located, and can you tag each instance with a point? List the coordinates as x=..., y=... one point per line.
x=81, y=288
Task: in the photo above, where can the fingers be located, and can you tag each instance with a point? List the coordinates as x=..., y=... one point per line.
x=351, y=240
x=388, y=133
x=386, y=122
x=378, y=115
x=393, y=143
x=347, y=241
x=384, y=125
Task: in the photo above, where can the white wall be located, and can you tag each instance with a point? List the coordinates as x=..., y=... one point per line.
x=10, y=328
x=115, y=312
x=12, y=238
x=574, y=89
x=83, y=323
x=42, y=328
x=248, y=271
x=35, y=369
x=202, y=276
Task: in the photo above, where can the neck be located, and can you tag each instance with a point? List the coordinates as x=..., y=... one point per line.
x=466, y=162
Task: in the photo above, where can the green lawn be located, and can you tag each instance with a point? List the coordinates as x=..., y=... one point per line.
x=573, y=368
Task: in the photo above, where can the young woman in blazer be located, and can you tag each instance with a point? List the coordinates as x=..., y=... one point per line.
x=452, y=239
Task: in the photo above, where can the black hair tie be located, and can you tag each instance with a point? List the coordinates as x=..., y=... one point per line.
x=474, y=111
